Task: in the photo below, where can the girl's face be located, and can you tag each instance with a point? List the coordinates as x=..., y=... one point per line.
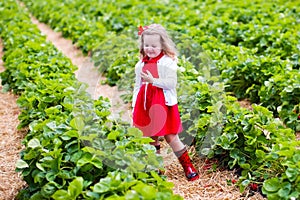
x=152, y=46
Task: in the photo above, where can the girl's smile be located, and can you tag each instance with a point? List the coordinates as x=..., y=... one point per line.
x=152, y=45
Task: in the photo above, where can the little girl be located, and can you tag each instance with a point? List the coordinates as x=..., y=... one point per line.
x=155, y=109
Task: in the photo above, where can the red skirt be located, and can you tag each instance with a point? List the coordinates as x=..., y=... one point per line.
x=152, y=116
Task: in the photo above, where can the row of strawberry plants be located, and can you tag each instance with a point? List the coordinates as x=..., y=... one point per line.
x=247, y=46
x=72, y=150
x=263, y=44
x=245, y=139
x=266, y=152
x=281, y=97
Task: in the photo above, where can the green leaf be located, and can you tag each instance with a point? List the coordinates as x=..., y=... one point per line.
x=75, y=188
x=271, y=185
x=77, y=123
x=147, y=191
x=285, y=190
x=244, y=184
x=94, y=151
x=132, y=195
x=113, y=135
x=48, y=189
x=50, y=176
x=85, y=159
x=61, y=195
x=102, y=186
x=292, y=173
x=37, y=196
x=39, y=166
x=97, y=162
x=245, y=166
x=296, y=158
x=69, y=134
x=34, y=143
x=134, y=132
x=21, y=164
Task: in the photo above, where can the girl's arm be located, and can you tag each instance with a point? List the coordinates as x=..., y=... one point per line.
x=137, y=83
x=168, y=79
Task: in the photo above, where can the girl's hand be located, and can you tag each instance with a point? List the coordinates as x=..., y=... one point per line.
x=147, y=77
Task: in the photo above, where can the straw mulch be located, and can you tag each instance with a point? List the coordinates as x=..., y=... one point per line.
x=214, y=183
x=10, y=146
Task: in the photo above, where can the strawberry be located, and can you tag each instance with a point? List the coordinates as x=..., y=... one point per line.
x=206, y=167
x=253, y=186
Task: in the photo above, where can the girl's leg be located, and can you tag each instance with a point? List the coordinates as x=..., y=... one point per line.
x=181, y=153
x=156, y=144
x=174, y=142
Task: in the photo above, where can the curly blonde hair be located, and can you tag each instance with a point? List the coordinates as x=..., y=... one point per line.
x=168, y=46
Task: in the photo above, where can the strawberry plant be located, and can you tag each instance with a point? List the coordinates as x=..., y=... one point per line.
x=114, y=55
x=282, y=91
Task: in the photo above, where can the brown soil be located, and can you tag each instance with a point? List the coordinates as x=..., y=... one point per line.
x=213, y=184
x=245, y=103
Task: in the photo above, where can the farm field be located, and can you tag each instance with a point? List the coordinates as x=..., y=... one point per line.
x=213, y=184
x=242, y=86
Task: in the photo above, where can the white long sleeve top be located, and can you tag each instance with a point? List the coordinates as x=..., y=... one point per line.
x=167, y=72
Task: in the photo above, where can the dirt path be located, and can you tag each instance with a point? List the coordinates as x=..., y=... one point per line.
x=10, y=143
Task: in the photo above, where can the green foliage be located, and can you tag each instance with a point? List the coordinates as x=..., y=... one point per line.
x=282, y=92
x=71, y=147
x=246, y=39
x=114, y=56
x=255, y=50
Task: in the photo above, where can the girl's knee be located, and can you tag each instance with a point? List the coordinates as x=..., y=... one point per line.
x=170, y=138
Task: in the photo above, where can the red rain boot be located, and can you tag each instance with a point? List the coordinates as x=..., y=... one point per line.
x=185, y=161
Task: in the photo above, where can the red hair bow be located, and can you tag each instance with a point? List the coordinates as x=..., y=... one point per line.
x=141, y=29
